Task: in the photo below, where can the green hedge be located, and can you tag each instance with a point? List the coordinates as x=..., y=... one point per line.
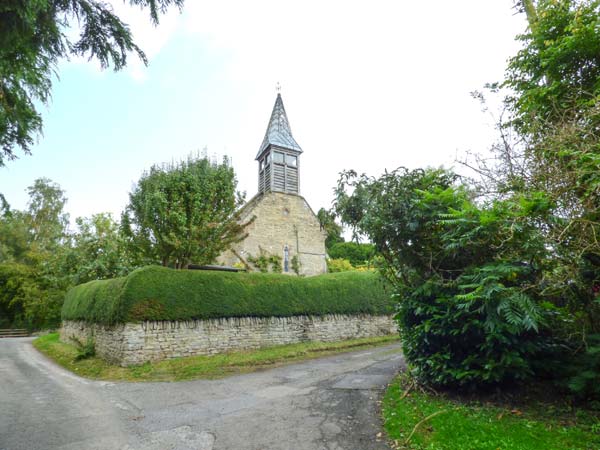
x=158, y=293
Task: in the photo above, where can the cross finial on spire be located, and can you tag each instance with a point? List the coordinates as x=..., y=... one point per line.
x=278, y=88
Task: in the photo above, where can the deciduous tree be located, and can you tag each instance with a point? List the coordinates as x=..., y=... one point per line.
x=551, y=143
x=184, y=212
x=47, y=220
x=331, y=227
x=98, y=250
x=32, y=247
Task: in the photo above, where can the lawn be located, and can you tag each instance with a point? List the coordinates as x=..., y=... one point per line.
x=196, y=367
x=419, y=419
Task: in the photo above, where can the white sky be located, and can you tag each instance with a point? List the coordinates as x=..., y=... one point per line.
x=367, y=86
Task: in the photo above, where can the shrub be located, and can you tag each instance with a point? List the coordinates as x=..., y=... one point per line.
x=84, y=351
x=157, y=293
x=339, y=265
x=584, y=380
x=452, y=338
x=465, y=275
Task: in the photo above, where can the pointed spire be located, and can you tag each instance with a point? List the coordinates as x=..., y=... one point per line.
x=278, y=131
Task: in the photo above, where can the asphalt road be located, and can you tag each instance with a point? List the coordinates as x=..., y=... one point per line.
x=325, y=404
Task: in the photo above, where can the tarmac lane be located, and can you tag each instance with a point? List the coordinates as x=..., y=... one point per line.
x=323, y=404
x=45, y=407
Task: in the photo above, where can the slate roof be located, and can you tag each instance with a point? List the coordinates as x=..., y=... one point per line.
x=279, y=132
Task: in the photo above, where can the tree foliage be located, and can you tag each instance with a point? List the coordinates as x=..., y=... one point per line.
x=184, y=212
x=550, y=142
x=40, y=258
x=34, y=37
x=358, y=254
x=331, y=227
x=31, y=249
x=177, y=213
x=98, y=250
x=14, y=236
x=554, y=77
x=47, y=222
x=465, y=275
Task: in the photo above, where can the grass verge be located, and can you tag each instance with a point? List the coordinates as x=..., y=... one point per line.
x=416, y=419
x=195, y=367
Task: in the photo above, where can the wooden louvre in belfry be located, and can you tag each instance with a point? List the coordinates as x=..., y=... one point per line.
x=279, y=155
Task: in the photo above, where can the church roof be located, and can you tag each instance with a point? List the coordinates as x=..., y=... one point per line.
x=279, y=132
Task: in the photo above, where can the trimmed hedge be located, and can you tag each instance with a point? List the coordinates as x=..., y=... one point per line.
x=158, y=293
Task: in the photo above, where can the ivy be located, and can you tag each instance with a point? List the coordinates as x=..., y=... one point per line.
x=266, y=262
x=296, y=266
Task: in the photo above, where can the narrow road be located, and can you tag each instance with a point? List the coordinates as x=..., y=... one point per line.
x=324, y=404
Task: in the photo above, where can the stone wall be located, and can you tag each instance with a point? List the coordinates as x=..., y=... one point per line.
x=136, y=343
x=281, y=220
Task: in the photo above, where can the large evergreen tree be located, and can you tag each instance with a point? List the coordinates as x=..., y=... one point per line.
x=33, y=38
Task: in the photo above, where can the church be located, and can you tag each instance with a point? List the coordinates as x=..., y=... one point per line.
x=285, y=230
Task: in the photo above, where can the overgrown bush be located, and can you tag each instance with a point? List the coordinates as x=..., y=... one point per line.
x=157, y=293
x=549, y=141
x=465, y=275
x=339, y=265
x=584, y=372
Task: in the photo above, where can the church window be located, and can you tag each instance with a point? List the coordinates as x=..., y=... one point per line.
x=291, y=160
x=286, y=259
x=278, y=157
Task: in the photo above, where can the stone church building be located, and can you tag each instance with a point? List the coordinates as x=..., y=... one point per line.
x=284, y=226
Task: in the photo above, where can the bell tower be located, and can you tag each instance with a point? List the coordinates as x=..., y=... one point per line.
x=279, y=155
x=282, y=223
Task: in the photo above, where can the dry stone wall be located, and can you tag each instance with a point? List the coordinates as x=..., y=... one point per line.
x=136, y=343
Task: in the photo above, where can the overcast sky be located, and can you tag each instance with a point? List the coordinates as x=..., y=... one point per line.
x=367, y=86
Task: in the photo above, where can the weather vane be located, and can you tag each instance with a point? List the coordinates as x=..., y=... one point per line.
x=278, y=88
